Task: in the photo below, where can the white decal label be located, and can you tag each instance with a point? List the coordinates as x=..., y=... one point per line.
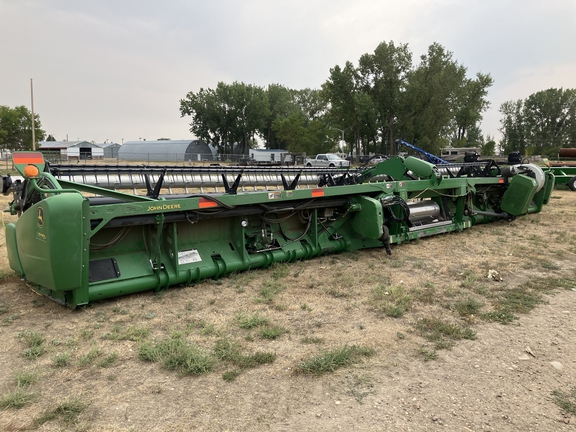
x=189, y=256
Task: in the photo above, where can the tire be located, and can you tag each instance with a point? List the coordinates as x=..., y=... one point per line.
x=309, y=165
x=572, y=183
x=331, y=166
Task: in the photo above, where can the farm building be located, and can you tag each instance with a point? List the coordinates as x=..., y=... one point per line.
x=71, y=149
x=165, y=151
x=110, y=149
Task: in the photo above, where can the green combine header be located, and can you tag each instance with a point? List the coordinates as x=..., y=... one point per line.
x=81, y=237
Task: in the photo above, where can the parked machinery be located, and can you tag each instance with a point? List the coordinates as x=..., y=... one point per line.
x=565, y=170
x=77, y=242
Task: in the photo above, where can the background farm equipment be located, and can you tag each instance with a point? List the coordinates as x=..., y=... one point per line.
x=565, y=170
x=81, y=238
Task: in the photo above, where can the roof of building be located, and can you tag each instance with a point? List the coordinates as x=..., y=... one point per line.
x=61, y=144
x=163, y=146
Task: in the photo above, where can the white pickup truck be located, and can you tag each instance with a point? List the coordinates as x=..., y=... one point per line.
x=327, y=160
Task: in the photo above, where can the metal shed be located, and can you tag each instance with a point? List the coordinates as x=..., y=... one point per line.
x=165, y=151
x=110, y=150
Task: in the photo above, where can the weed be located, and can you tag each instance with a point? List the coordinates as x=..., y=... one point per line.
x=468, y=306
x=35, y=342
x=108, y=361
x=4, y=308
x=86, y=334
x=548, y=285
x=427, y=294
x=470, y=279
x=566, y=400
x=176, y=354
x=329, y=361
x=435, y=330
x=280, y=270
x=26, y=378
x=231, y=375
x=549, y=265
x=61, y=359
x=394, y=301
x=67, y=411
x=427, y=355
x=251, y=321
x=305, y=307
x=311, y=340
x=501, y=316
x=269, y=291
x=230, y=351
x=272, y=332
x=133, y=333
x=89, y=358
x=209, y=329
x=359, y=387
x=16, y=399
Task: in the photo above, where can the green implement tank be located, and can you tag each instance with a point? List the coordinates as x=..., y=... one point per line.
x=78, y=242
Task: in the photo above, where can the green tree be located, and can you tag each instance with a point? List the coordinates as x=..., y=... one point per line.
x=430, y=100
x=383, y=76
x=513, y=129
x=300, y=134
x=341, y=92
x=280, y=106
x=550, y=117
x=230, y=114
x=16, y=128
x=470, y=102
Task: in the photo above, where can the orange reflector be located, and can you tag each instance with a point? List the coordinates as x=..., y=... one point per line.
x=500, y=180
x=205, y=203
x=31, y=171
x=28, y=158
x=317, y=192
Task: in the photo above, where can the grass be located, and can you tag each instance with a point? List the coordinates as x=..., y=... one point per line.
x=35, y=341
x=513, y=301
x=566, y=400
x=230, y=351
x=468, y=306
x=269, y=291
x=16, y=399
x=441, y=333
x=176, y=354
x=329, y=361
x=109, y=360
x=61, y=359
x=26, y=378
x=393, y=300
x=251, y=321
x=133, y=333
x=272, y=332
x=67, y=412
x=90, y=357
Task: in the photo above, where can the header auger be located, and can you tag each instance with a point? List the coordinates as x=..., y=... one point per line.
x=80, y=239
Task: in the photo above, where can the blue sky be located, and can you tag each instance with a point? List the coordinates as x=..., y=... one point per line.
x=116, y=69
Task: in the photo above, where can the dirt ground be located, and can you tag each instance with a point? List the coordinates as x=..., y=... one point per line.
x=501, y=380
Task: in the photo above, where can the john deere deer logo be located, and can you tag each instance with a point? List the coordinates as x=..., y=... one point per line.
x=40, y=219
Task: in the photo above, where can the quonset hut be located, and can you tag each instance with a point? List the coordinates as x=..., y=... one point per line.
x=165, y=151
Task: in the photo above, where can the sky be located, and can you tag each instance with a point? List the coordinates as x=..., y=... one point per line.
x=116, y=70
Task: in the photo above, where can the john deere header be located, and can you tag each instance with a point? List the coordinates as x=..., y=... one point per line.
x=81, y=237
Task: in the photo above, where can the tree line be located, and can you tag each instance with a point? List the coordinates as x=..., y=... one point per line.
x=16, y=128
x=541, y=124
x=383, y=97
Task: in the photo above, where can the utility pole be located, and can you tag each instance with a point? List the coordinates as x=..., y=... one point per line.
x=32, y=104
